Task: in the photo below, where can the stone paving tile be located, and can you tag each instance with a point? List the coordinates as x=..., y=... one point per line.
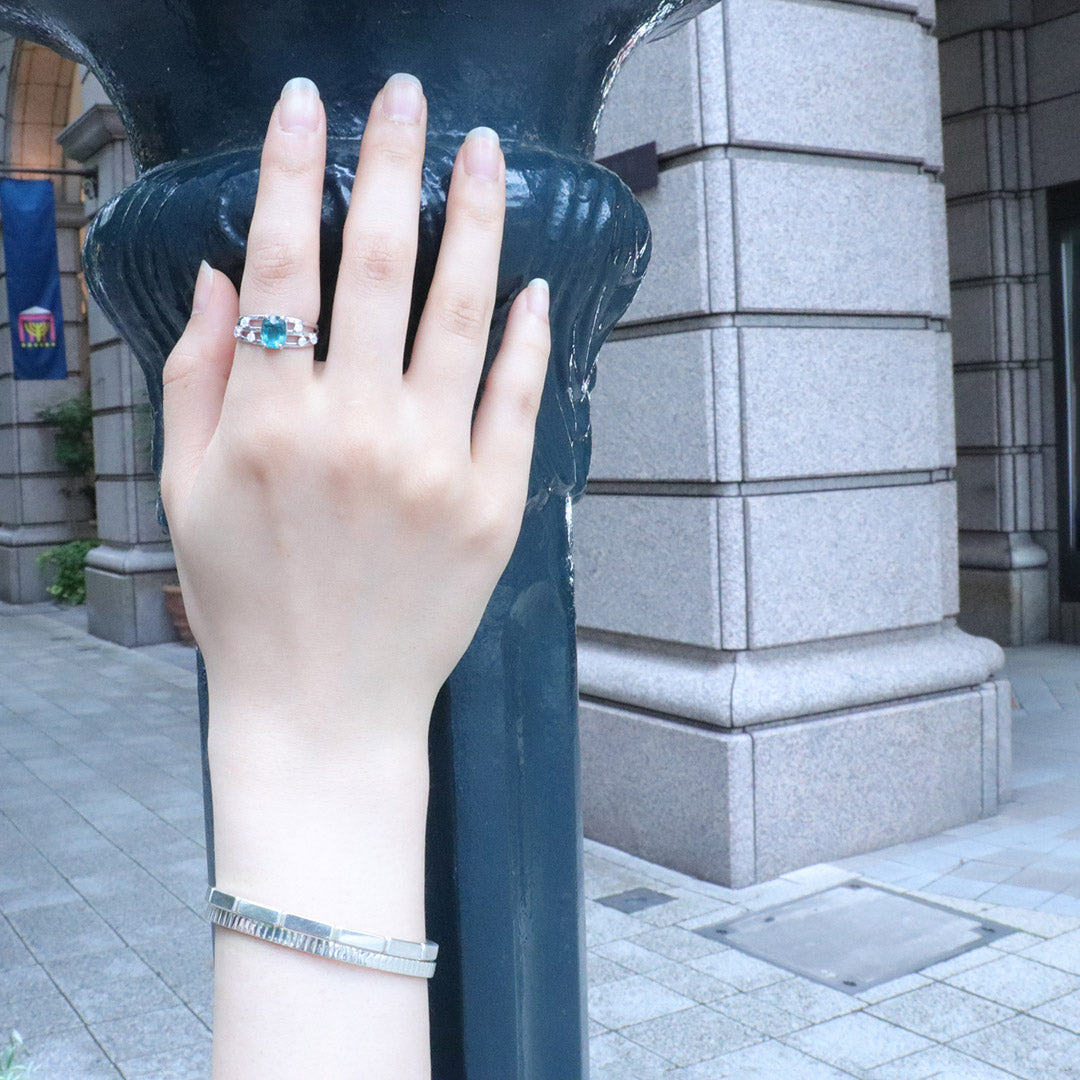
x=938, y=1063
x=1026, y=1046
x=173, y=1028
x=939, y=1011
x=693, y=984
x=1063, y=1011
x=1062, y=952
x=1016, y=981
x=191, y=1063
x=692, y=1035
x=763, y=1061
x=630, y=955
x=856, y=1041
x=677, y=943
x=738, y=969
x=633, y=1000
x=71, y=1055
x=613, y=1057
x=36, y=1015
x=760, y=1014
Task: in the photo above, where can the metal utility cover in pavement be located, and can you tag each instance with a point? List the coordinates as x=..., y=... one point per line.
x=856, y=935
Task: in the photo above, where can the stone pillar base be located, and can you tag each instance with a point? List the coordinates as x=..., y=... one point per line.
x=741, y=807
x=22, y=581
x=1010, y=606
x=124, y=600
x=790, y=756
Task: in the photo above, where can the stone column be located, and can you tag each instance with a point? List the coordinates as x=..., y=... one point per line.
x=1000, y=327
x=125, y=574
x=766, y=555
x=40, y=504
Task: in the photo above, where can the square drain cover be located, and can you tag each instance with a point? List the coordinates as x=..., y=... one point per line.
x=634, y=900
x=856, y=935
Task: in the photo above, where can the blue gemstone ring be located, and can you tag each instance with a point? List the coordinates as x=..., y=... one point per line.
x=276, y=331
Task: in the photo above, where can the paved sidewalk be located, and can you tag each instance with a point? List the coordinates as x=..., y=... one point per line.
x=105, y=964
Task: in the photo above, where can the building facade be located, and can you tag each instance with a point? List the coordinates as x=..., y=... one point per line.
x=833, y=464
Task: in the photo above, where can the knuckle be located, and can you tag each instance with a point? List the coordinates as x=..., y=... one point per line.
x=431, y=490
x=392, y=150
x=483, y=214
x=273, y=260
x=464, y=314
x=380, y=259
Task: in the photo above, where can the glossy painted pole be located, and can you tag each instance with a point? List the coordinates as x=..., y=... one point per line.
x=194, y=81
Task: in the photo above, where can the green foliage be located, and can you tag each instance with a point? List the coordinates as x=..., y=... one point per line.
x=67, y=562
x=9, y=1070
x=74, y=423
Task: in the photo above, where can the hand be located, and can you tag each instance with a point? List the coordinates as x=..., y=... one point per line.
x=339, y=527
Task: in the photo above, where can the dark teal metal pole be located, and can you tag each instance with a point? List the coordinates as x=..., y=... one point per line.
x=194, y=81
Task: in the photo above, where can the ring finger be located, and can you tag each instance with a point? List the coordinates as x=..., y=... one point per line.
x=281, y=271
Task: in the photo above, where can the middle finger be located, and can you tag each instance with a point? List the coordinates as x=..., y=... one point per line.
x=374, y=286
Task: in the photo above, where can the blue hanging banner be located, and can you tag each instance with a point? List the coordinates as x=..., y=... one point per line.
x=28, y=220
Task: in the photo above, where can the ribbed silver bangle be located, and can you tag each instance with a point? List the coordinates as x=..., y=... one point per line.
x=321, y=939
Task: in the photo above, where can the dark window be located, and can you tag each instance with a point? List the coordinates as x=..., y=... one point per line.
x=1063, y=206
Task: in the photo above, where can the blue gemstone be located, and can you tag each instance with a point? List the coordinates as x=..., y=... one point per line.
x=273, y=332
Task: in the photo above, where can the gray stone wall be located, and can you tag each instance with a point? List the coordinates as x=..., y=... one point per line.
x=766, y=553
x=1001, y=85
x=40, y=504
x=125, y=574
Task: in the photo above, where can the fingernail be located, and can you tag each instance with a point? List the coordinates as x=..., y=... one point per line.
x=482, y=153
x=204, y=288
x=538, y=297
x=403, y=97
x=299, y=106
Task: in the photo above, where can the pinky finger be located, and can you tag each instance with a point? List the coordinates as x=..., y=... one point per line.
x=505, y=424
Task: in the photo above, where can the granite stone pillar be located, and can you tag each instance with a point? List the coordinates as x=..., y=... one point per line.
x=125, y=573
x=1000, y=326
x=40, y=504
x=766, y=555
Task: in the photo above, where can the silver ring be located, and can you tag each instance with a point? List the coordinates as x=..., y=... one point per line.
x=276, y=331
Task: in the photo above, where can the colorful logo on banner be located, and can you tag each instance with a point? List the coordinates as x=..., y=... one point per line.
x=37, y=328
x=32, y=272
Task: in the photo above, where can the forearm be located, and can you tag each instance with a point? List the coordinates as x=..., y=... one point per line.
x=338, y=838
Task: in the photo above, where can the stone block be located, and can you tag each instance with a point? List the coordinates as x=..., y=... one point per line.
x=116, y=380
x=830, y=787
x=970, y=249
x=817, y=237
x=972, y=324
x=934, y=155
x=28, y=396
x=1010, y=607
x=960, y=61
x=950, y=555
x=146, y=492
x=68, y=251
x=977, y=491
x=116, y=512
x=9, y=452
x=100, y=330
x=651, y=409
x=37, y=449
x=976, y=408
x=1052, y=48
x=703, y=825
x=712, y=73
x=128, y=608
x=21, y=579
x=655, y=98
x=113, y=449
x=796, y=69
x=828, y=401
x=946, y=402
x=1053, y=126
x=677, y=281
x=10, y=500
x=47, y=499
x=831, y=563
x=964, y=142
x=647, y=565
x=734, y=612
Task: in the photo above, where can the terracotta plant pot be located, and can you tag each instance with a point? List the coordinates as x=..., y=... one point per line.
x=174, y=605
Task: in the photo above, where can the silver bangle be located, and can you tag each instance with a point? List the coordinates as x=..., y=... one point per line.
x=321, y=939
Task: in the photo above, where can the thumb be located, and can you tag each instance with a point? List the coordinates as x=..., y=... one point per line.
x=194, y=381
